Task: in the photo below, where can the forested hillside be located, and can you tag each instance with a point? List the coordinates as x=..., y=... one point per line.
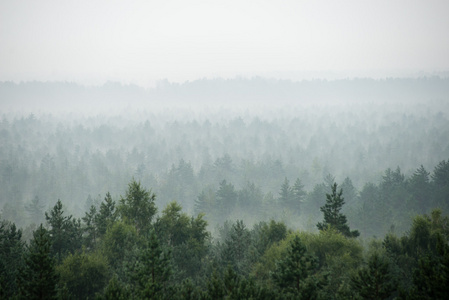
x=311, y=197
x=235, y=164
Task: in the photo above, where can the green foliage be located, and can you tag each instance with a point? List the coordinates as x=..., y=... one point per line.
x=235, y=249
x=153, y=270
x=374, y=281
x=187, y=236
x=118, y=240
x=332, y=215
x=295, y=272
x=84, y=274
x=137, y=207
x=38, y=278
x=65, y=232
x=286, y=194
x=298, y=196
x=431, y=277
x=336, y=254
x=90, y=230
x=11, y=251
x=106, y=216
x=115, y=290
x=226, y=199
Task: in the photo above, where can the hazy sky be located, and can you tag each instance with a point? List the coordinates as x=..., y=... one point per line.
x=144, y=41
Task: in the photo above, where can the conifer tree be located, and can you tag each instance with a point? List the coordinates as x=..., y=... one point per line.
x=38, y=279
x=106, y=216
x=298, y=195
x=137, y=207
x=332, y=215
x=65, y=232
x=374, y=281
x=153, y=270
x=294, y=273
x=11, y=257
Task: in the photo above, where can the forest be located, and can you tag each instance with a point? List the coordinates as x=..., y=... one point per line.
x=317, y=199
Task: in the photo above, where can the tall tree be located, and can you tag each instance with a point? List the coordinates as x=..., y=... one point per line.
x=137, y=207
x=375, y=280
x=332, y=215
x=298, y=195
x=90, y=230
x=235, y=249
x=294, y=273
x=153, y=269
x=226, y=199
x=421, y=190
x=106, y=215
x=65, y=232
x=38, y=279
x=11, y=257
x=440, y=178
x=286, y=194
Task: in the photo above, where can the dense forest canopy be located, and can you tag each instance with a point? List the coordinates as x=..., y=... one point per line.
x=305, y=189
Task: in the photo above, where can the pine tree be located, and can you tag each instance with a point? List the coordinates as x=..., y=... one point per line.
x=332, y=215
x=294, y=273
x=11, y=257
x=106, y=215
x=38, y=279
x=374, y=281
x=286, y=194
x=153, y=270
x=90, y=229
x=298, y=195
x=65, y=232
x=138, y=207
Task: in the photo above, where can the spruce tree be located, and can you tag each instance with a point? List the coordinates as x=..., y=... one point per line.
x=38, y=278
x=332, y=215
x=374, y=281
x=106, y=216
x=153, y=270
x=137, y=207
x=295, y=273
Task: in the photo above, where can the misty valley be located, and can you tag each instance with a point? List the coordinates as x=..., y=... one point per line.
x=184, y=195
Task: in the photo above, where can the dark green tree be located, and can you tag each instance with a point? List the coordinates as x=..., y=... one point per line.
x=84, y=274
x=332, y=215
x=106, y=216
x=115, y=290
x=235, y=251
x=89, y=228
x=294, y=273
x=374, y=281
x=153, y=270
x=11, y=258
x=420, y=188
x=440, y=182
x=38, y=278
x=65, y=232
x=137, y=207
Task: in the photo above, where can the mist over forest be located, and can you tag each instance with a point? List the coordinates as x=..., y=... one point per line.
x=238, y=158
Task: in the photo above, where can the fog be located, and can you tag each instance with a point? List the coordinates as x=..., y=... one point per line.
x=75, y=143
x=224, y=150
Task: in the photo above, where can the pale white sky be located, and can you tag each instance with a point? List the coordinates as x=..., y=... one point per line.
x=141, y=42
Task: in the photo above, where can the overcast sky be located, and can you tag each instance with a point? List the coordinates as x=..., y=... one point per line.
x=141, y=42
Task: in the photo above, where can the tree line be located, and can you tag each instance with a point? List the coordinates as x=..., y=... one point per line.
x=125, y=249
